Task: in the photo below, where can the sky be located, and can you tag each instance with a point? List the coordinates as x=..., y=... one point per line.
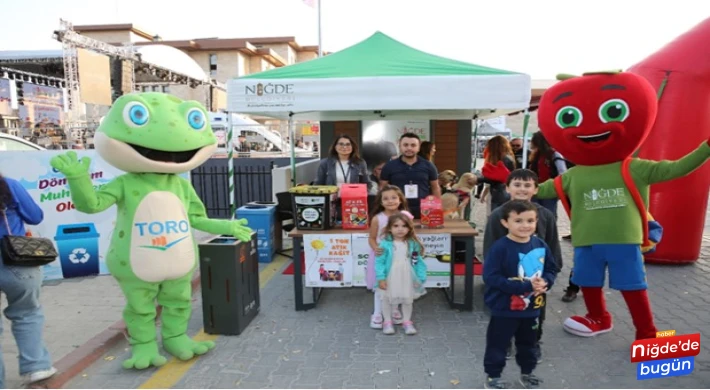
x=541, y=38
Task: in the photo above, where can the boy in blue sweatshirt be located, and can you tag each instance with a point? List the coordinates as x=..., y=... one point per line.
x=522, y=184
x=518, y=270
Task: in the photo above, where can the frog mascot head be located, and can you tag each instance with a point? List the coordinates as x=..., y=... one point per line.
x=597, y=121
x=152, y=137
x=156, y=133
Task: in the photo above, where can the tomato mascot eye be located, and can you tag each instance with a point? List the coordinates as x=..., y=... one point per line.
x=568, y=116
x=614, y=110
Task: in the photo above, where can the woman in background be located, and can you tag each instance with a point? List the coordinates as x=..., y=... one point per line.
x=427, y=150
x=499, y=162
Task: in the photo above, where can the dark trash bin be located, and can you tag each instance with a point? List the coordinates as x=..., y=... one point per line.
x=229, y=273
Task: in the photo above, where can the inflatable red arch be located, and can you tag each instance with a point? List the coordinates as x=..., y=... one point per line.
x=680, y=71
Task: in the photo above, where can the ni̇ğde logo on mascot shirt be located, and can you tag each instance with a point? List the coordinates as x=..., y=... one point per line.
x=162, y=235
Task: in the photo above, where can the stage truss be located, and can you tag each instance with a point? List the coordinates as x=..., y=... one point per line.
x=72, y=41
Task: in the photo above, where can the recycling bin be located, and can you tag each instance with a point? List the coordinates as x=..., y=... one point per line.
x=314, y=207
x=78, y=247
x=278, y=225
x=262, y=219
x=229, y=273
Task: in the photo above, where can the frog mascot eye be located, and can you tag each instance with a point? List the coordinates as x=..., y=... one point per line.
x=196, y=119
x=135, y=114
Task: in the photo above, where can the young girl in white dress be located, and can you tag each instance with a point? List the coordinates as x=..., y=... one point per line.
x=390, y=200
x=400, y=271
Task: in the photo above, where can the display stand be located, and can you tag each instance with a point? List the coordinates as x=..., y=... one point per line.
x=459, y=231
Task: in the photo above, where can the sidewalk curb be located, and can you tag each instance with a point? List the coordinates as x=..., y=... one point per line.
x=72, y=364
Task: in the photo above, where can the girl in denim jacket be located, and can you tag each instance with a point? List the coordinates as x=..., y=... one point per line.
x=400, y=271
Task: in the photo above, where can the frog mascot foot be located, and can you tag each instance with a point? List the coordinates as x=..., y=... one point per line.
x=185, y=348
x=153, y=138
x=143, y=356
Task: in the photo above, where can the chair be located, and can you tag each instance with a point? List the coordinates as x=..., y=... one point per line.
x=284, y=212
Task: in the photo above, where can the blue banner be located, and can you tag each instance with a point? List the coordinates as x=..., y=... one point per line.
x=665, y=368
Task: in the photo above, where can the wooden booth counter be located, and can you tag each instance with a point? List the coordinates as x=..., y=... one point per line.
x=347, y=243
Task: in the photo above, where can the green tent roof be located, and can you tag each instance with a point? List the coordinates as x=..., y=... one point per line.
x=378, y=55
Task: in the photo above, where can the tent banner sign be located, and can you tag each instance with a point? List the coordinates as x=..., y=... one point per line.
x=270, y=95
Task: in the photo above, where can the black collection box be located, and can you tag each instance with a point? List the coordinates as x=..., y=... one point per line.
x=314, y=207
x=229, y=273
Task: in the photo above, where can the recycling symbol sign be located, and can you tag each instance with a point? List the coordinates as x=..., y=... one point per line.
x=79, y=256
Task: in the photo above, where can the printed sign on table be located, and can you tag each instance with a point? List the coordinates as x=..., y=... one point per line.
x=329, y=260
x=361, y=255
x=437, y=257
x=81, y=239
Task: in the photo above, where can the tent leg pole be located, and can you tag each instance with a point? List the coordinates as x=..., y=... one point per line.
x=526, y=120
x=292, y=141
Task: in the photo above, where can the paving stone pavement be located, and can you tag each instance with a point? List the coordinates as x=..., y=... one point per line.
x=333, y=347
x=75, y=310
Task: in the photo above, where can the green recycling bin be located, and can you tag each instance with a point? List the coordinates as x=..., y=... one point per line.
x=229, y=273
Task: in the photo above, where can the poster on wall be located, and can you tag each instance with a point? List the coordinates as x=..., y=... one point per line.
x=437, y=257
x=81, y=239
x=329, y=260
x=380, y=139
x=361, y=255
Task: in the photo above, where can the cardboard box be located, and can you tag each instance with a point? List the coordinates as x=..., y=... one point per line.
x=432, y=212
x=354, y=205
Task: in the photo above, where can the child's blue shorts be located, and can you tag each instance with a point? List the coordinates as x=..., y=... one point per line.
x=625, y=262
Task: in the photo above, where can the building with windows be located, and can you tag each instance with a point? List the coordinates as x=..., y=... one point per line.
x=220, y=58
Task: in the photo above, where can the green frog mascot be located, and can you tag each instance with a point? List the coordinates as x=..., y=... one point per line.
x=152, y=137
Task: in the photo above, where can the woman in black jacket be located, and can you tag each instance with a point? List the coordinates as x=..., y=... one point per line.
x=343, y=165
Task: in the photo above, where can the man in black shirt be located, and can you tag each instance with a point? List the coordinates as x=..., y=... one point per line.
x=415, y=176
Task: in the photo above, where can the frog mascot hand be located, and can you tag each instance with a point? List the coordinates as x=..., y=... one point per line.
x=152, y=255
x=597, y=121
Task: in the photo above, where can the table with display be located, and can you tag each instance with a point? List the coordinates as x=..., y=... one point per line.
x=458, y=230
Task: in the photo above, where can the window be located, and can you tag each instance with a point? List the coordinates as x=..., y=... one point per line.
x=166, y=89
x=8, y=144
x=156, y=88
x=213, y=65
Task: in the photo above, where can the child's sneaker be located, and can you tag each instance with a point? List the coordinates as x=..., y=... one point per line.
x=388, y=327
x=409, y=328
x=376, y=321
x=530, y=381
x=495, y=383
x=538, y=354
x=396, y=316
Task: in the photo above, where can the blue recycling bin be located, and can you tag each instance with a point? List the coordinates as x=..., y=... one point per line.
x=262, y=219
x=78, y=247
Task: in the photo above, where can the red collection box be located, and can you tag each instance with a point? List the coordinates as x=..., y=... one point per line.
x=354, y=202
x=432, y=212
